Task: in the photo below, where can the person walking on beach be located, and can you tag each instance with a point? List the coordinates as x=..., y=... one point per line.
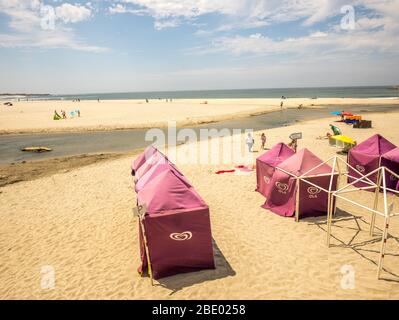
x=250, y=142
x=281, y=105
x=293, y=144
x=263, y=140
x=63, y=114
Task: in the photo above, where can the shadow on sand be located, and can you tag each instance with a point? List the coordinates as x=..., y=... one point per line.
x=355, y=244
x=178, y=282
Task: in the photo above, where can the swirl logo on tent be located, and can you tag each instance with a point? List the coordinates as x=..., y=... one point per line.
x=186, y=235
x=281, y=187
x=313, y=191
x=392, y=177
x=267, y=179
x=360, y=168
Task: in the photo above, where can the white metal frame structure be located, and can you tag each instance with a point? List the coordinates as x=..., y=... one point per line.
x=378, y=186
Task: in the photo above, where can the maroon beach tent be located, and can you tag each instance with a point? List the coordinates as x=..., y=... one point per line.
x=142, y=158
x=281, y=197
x=266, y=164
x=177, y=226
x=390, y=160
x=366, y=157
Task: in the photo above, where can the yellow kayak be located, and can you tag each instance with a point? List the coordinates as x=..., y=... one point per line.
x=36, y=149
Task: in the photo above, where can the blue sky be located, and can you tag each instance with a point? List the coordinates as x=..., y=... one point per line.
x=150, y=45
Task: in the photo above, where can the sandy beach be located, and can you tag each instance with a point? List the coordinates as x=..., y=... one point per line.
x=37, y=116
x=79, y=221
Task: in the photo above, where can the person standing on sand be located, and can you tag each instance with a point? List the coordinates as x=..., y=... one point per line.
x=250, y=142
x=281, y=105
x=293, y=145
x=263, y=140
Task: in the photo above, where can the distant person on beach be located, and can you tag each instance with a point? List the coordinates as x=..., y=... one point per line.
x=63, y=114
x=263, y=140
x=78, y=112
x=293, y=145
x=146, y=100
x=98, y=100
x=250, y=142
x=281, y=105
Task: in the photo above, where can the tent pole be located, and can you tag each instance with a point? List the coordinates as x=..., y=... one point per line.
x=329, y=219
x=331, y=200
x=383, y=245
x=297, y=201
x=375, y=206
x=338, y=183
x=147, y=251
x=387, y=212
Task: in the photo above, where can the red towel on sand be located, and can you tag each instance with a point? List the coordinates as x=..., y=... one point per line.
x=224, y=171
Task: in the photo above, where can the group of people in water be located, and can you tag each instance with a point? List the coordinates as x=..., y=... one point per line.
x=63, y=115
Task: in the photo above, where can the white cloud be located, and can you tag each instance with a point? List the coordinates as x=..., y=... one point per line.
x=69, y=13
x=26, y=20
x=247, y=13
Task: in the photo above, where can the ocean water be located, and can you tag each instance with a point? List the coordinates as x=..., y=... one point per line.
x=330, y=92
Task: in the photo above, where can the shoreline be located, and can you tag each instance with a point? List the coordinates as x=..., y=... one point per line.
x=113, y=115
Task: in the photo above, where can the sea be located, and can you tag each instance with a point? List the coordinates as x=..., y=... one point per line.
x=389, y=92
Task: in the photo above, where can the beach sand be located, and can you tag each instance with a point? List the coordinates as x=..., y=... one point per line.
x=80, y=223
x=37, y=116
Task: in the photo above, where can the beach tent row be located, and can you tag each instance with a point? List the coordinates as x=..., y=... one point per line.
x=294, y=183
x=176, y=225
x=371, y=154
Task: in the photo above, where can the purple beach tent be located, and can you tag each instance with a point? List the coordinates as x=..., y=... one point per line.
x=177, y=227
x=390, y=160
x=290, y=193
x=366, y=157
x=266, y=164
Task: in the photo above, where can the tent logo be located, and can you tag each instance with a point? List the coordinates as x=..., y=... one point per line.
x=282, y=187
x=313, y=191
x=360, y=168
x=186, y=235
x=267, y=179
x=392, y=177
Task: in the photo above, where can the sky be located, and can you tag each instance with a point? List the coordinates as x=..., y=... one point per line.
x=68, y=47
